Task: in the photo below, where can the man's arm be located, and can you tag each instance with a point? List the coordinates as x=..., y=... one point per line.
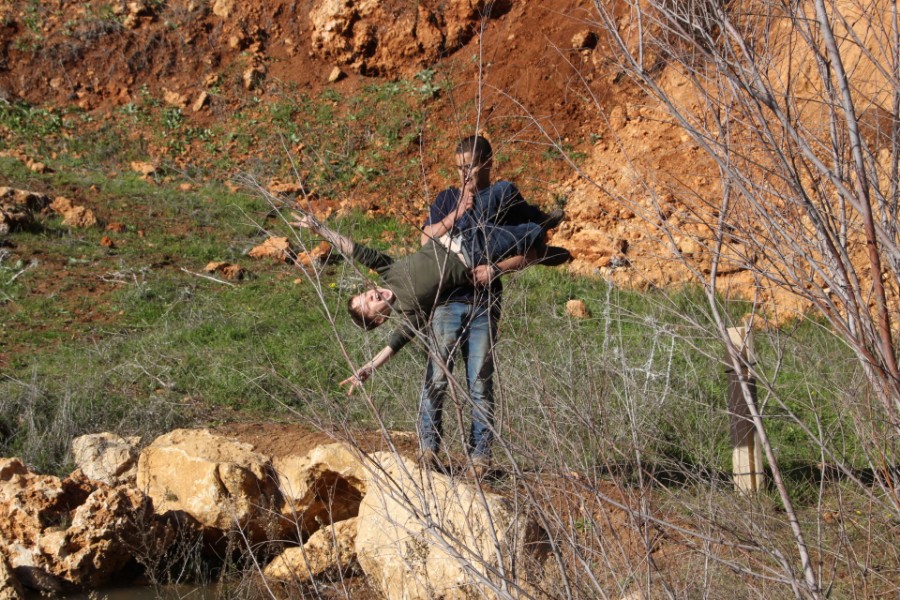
x=344, y=244
x=485, y=274
x=436, y=230
x=362, y=374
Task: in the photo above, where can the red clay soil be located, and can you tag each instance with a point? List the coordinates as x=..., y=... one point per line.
x=540, y=69
x=86, y=57
x=283, y=439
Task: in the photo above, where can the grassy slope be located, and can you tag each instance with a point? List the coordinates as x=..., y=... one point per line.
x=124, y=338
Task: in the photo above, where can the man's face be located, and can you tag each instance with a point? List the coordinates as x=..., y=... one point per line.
x=374, y=304
x=475, y=176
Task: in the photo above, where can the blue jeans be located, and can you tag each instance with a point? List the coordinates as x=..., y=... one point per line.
x=472, y=329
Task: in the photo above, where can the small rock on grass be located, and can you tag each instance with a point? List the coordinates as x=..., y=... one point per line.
x=577, y=309
x=73, y=215
x=227, y=270
x=317, y=256
x=144, y=168
x=278, y=248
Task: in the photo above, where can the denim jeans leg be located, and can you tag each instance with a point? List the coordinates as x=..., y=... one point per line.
x=446, y=330
x=478, y=351
x=490, y=244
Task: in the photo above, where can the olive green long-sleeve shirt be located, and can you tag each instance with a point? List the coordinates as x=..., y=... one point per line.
x=416, y=280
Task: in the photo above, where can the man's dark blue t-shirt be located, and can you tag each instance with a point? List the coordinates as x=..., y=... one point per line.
x=499, y=204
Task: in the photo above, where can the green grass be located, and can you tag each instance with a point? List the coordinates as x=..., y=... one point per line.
x=154, y=339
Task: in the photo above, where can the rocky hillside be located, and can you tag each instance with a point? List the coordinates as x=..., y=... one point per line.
x=537, y=78
x=541, y=70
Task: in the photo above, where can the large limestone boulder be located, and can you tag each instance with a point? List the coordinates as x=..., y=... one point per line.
x=322, y=486
x=423, y=535
x=219, y=482
x=62, y=535
x=330, y=551
x=106, y=457
x=10, y=588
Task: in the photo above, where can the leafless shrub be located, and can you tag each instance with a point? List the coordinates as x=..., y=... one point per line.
x=808, y=198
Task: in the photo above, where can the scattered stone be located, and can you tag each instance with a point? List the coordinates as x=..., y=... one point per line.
x=116, y=227
x=223, y=8
x=329, y=552
x=219, y=482
x=174, y=98
x=201, y=102
x=577, y=309
x=318, y=256
x=185, y=187
x=144, y=168
x=336, y=75
x=585, y=40
x=253, y=77
x=423, y=535
x=73, y=215
x=227, y=270
x=136, y=10
x=286, y=187
x=278, y=248
x=17, y=208
x=107, y=242
x=33, y=165
x=106, y=457
x=140, y=7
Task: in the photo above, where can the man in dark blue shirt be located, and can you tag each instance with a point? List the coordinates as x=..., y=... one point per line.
x=466, y=319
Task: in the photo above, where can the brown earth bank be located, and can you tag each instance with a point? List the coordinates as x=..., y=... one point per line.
x=542, y=76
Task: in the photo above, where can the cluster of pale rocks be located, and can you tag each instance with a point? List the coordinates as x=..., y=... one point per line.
x=322, y=512
x=18, y=208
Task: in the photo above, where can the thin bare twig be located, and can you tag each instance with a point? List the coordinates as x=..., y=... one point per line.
x=210, y=277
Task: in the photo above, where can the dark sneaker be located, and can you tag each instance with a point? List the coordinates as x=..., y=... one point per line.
x=556, y=216
x=554, y=256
